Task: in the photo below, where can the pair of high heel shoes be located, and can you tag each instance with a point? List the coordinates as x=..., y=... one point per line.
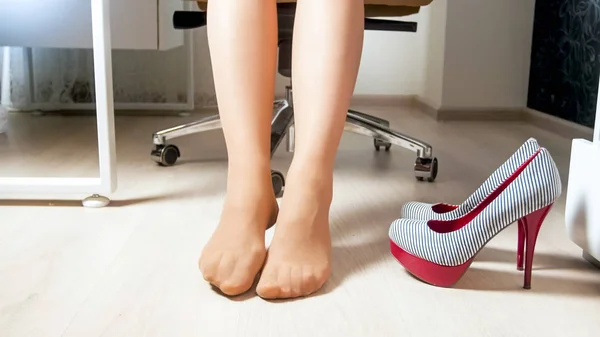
x=438, y=242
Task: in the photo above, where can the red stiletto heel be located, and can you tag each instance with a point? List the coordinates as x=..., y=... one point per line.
x=520, y=245
x=439, y=252
x=532, y=224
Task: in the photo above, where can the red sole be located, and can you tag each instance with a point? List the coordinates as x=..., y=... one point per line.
x=429, y=272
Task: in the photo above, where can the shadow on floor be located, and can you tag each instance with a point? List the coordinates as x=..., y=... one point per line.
x=493, y=280
x=78, y=203
x=542, y=261
x=348, y=260
x=354, y=258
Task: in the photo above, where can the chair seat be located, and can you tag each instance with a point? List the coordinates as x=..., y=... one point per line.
x=374, y=8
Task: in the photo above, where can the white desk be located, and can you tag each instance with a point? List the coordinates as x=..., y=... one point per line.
x=137, y=24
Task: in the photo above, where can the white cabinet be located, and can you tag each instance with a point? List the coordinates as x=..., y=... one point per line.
x=582, y=211
x=135, y=24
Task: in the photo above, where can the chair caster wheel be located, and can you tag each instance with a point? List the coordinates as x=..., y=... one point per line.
x=165, y=155
x=378, y=143
x=278, y=181
x=426, y=169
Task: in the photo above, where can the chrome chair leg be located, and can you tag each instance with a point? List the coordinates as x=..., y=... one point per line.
x=369, y=117
x=167, y=154
x=291, y=138
x=426, y=166
x=203, y=125
x=282, y=121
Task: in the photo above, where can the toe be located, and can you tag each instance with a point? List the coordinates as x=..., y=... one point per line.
x=284, y=281
x=234, y=287
x=309, y=281
x=291, y=282
x=313, y=279
x=268, y=287
x=243, y=275
x=237, y=281
x=209, y=267
x=296, y=281
x=226, y=267
x=268, y=290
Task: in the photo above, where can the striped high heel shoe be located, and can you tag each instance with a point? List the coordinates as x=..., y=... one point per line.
x=440, y=251
x=442, y=211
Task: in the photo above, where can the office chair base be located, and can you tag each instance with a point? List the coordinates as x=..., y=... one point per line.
x=426, y=166
x=167, y=155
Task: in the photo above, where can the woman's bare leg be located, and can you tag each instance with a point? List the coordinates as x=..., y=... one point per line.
x=243, y=46
x=326, y=55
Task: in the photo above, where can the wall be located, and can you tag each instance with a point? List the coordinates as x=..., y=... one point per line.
x=487, y=53
x=565, y=59
x=434, y=37
x=393, y=63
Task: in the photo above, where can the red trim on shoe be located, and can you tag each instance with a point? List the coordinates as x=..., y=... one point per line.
x=443, y=208
x=447, y=276
x=447, y=226
x=432, y=273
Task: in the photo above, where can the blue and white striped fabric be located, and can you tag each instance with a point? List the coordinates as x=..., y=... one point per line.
x=423, y=211
x=536, y=187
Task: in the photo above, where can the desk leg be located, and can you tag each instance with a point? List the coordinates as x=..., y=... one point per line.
x=105, y=113
x=28, y=70
x=191, y=86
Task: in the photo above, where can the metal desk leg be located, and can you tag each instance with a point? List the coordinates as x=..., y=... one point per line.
x=105, y=113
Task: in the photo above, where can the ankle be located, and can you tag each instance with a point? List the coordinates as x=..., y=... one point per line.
x=248, y=174
x=308, y=191
x=315, y=178
x=250, y=207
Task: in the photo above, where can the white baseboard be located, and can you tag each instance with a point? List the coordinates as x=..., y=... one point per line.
x=557, y=125
x=480, y=114
x=426, y=107
x=548, y=122
x=383, y=100
x=469, y=114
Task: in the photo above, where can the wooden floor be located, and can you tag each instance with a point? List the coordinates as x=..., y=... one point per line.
x=130, y=269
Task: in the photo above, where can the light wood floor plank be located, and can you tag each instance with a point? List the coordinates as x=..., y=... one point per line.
x=130, y=269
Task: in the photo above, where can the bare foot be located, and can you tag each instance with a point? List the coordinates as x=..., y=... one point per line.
x=236, y=251
x=298, y=261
